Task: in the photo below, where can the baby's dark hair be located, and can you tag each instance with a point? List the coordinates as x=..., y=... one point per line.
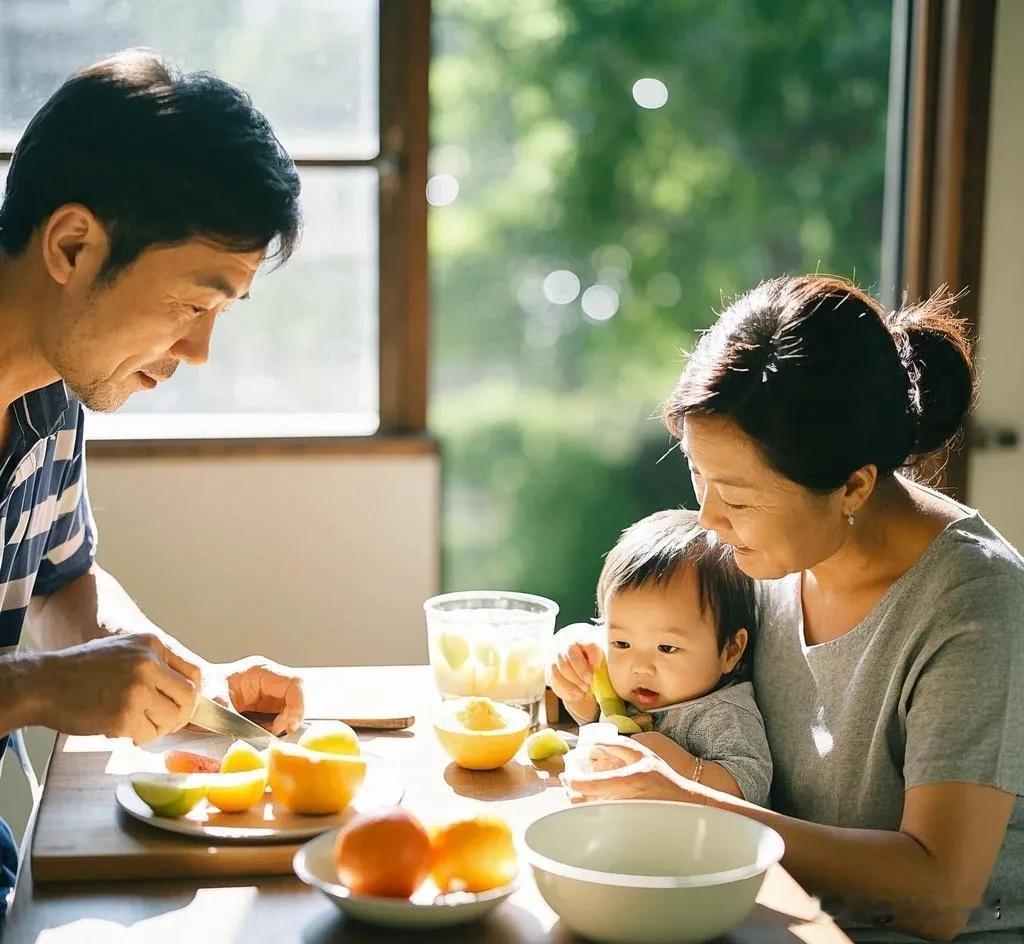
x=655, y=549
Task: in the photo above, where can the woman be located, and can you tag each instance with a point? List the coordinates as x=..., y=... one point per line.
x=890, y=671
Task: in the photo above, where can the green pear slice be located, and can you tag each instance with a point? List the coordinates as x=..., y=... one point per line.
x=170, y=794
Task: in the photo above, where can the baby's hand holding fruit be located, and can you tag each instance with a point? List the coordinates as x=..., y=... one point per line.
x=577, y=658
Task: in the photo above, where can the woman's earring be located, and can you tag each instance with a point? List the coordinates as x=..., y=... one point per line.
x=849, y=518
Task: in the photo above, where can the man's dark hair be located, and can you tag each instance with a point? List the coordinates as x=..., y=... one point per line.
x=159, y=157
x=655, y=549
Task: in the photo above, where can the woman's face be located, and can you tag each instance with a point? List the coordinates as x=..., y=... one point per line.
x=776, y=526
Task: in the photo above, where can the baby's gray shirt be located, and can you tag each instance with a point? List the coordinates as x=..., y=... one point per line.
x=724, y=726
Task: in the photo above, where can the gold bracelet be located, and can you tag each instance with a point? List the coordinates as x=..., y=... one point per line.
x=698, y=769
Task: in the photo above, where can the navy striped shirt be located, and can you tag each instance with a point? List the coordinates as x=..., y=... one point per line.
x=47, y=525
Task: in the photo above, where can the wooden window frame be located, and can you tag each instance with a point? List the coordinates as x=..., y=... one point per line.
x=403, y=292
x=936, y=162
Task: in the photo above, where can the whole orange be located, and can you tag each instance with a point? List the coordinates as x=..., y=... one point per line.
x=386, y=853
x=473, y=855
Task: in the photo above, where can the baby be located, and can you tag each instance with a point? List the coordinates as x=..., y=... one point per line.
x=679, y=620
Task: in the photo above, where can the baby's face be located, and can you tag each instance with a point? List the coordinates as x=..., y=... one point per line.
x=661, y=648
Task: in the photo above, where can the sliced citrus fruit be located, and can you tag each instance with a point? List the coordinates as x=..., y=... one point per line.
x=454, y=648
x=313, y=782
x=237, y=792
x=332, y=737
x=481, y=734
x=488, y=663
x=242, y=756
x=170, y=794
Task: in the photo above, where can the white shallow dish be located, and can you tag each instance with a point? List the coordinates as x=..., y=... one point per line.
x=267, y=822
x=314, y=864
x=650, y=870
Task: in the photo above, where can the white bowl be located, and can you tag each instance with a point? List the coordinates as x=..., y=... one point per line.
x=314, y=864
x=650, y=870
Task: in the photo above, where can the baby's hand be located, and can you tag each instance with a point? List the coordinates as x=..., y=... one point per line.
x=645, y=721
x=572, y=669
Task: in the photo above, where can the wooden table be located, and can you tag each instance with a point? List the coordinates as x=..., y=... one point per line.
x=279, y=908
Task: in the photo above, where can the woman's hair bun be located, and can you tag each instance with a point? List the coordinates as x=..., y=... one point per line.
x=936, y=351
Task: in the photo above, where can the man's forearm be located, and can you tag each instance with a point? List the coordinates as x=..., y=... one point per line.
x=19, y=682
x=96, y=607
x=90, y=607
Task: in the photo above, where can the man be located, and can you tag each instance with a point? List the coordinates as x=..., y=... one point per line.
x=139, y=205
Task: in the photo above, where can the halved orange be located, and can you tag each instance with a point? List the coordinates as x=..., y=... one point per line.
x=313, y=782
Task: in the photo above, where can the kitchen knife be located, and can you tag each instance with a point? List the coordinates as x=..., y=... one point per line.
x=220, y=720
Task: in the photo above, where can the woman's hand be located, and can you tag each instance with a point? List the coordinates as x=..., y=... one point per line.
x=626, y=770
x=576, y=656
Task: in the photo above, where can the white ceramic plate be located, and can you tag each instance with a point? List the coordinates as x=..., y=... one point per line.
x=314, y=864
x=267, y=822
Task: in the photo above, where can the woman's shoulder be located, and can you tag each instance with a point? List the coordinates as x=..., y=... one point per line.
x=967, y=547
x=969, y=583
x=969, y=553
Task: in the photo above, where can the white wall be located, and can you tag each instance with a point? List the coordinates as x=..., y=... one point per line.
x=996, y=476
x=312, y=560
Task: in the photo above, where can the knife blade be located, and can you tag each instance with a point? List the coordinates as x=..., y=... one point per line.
x=220, y=720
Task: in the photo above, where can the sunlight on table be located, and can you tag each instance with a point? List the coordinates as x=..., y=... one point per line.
x=220, y=912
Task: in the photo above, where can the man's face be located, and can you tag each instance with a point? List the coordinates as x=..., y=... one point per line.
x=106, y=342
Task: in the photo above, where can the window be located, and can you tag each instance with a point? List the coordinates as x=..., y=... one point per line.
x=605, y=175
x=311, y=352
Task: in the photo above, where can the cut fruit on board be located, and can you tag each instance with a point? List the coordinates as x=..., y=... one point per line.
x=170, y=794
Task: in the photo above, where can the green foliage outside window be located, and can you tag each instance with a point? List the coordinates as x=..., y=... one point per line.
x=766, y=158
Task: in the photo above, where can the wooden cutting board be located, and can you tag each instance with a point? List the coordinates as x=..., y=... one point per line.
x=81, y=834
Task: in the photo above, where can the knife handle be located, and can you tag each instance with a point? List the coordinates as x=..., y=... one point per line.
x=380, y=724
x=396, y=723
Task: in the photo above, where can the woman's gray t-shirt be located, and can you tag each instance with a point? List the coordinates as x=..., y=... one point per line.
x=927, y=688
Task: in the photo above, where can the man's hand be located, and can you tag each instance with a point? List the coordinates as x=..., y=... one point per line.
x=96, y=606
x=260, y=685
x=121, y=686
